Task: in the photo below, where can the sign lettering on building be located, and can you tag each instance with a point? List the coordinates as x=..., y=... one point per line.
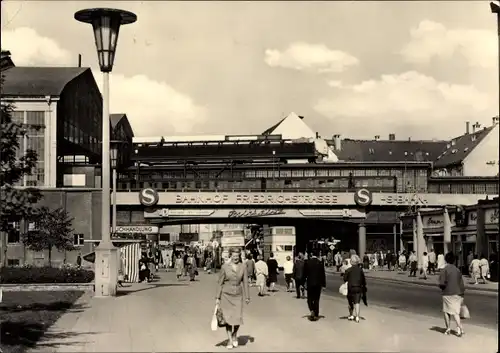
x=434, y=222
x=403, y=199
x=148, y=197
x=472, y=218
x=137, y=229
x=255, y=213
x=363, y=197
x=257, y=199
x=492, y=216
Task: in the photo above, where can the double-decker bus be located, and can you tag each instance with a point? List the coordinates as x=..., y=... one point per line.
x=281, y=242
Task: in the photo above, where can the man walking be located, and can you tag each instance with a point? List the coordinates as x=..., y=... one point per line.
x=338, y=260
x=432, y=262
x=298, y=274
x=314, y=273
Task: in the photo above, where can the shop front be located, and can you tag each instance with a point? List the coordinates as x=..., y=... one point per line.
x=433, y=222
x=491, y=229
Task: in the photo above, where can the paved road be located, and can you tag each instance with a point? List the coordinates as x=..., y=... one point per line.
x=424, y=300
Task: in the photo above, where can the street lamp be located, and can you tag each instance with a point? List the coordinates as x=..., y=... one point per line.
x=106, y=24
x=114, y=152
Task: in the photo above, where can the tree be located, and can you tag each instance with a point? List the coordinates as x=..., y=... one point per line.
x=16, y=203
x=53, y=229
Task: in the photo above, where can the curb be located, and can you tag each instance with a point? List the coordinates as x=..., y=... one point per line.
x=30, y=287
x=427, y=284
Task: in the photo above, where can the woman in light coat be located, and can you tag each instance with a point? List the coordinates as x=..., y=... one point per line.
x=179, y=266
x=261, y=273
x=232, y=291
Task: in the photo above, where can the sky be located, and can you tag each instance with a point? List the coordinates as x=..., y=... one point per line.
x=358, y=69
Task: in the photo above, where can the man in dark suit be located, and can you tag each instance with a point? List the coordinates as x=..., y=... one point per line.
x=314, y=274
x=298, y=274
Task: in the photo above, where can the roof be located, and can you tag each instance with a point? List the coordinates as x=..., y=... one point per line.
x=460, y=147
x=387, y=150
x=272, y=128
x=121, y=119
x=38, y=81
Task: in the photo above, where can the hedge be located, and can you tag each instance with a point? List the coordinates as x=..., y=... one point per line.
x=32, y=275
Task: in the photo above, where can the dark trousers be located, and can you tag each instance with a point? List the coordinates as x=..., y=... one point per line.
x=299, y=284
x=431, y=268
x=313, y=295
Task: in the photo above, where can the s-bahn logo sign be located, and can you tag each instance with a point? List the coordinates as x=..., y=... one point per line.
x=363, y=197
x=148, y=197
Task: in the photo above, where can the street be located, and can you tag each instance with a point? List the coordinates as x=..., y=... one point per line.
x=424, y=300
x=178, y=313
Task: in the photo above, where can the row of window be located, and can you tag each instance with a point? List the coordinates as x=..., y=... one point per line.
x=14, y=234
x=279, y=173
x=486, y=188
x=76, y=135
x=34, y=121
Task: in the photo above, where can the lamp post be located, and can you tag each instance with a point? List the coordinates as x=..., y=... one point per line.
x=106, y=24
x=114, y=147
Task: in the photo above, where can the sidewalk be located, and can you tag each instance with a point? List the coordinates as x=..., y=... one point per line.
x=397, y=276
x=169, y=316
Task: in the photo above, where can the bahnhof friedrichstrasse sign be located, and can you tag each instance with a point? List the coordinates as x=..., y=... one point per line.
x=361, y=198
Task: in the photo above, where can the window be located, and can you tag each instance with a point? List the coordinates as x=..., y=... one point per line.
x=78, y=239
x=12, y=262
x=14, y=234
x=35, y=140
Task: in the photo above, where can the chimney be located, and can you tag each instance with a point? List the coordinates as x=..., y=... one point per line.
x=79, y=60
x=377, y=137
x=467, y=127
x=301, y=117
x=317, y=135
x=337, y=142
x=495, y=120
x=392, y=137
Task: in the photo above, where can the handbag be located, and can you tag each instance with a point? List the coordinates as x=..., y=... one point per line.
x=220, y=317
x=196, y=272
x=464, y=312
x=343, y=289
x=214, y=323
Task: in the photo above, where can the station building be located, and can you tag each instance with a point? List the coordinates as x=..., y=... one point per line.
x=61, y=108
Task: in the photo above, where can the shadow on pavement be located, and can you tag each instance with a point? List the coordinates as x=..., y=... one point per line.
x=347, y=317
x=242, y=341
x=124, y=291
x=438, y=329
x=54, y=306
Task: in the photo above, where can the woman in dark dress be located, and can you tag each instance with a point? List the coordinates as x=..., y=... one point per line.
x=356, y=287
x=272, y=266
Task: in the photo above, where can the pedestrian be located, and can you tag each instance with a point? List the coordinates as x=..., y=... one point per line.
x=79, y=260
x=250, y=265
x=144, y=274
x=388, y=259
x=272, y=267
x=261, y=273
x=402, y=261
x=288, y=271
x=413, y=264
x=475, y=268
x=470, y=257
x=432, y=262
x=366, y=262
x=376, y=260
x=425, y=264
x=485, y=268
x=298, y=275
x=338, y=260
x=440, y=262
x=314, y=273
x=356, y=287
x=179, y=266
x=453, y=289
x=232, y=291
x=184, y=258
x=191, y=267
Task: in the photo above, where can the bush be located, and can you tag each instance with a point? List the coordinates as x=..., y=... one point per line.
x=33, y=275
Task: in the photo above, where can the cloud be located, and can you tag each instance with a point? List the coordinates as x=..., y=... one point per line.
x=335, y=83
x=316, y=58
x=153, y=107
x=405, y=101
x=432, y=40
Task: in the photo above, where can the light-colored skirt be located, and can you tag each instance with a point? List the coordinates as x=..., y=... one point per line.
x=261, y=280
x=452, y=304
